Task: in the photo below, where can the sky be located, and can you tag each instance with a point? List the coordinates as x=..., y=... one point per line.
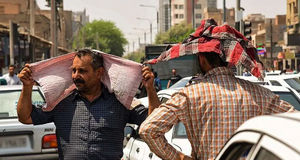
x=124, y=13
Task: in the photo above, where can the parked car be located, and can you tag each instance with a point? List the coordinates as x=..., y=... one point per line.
x=287, y=80
x=271, y=137
x=137, y=149
x=19, y=141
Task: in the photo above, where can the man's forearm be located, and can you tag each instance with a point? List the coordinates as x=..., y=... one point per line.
x=24, y=107
x=153, y=99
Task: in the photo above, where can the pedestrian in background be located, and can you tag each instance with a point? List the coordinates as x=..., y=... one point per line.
x=157, y=83
x=11, y=78
x=174, y=78
x=212, y=108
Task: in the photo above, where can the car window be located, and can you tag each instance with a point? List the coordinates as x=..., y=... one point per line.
x=275, y=83
x=294, y=83
x=237, y=151
x=9, y=101
x=264, y=154
x=179, y=131
x=180, y=83
x=289, y=97
x=164, y=100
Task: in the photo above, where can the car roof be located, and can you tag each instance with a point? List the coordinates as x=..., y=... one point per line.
x=276, y=88
x=284, y=127
x=283, y=76
x=13, y=87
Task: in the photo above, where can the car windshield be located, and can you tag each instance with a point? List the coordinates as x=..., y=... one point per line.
x=294, y=83
x=9, y=100
x=180, y=131
x=289, y=97
x=181, y=83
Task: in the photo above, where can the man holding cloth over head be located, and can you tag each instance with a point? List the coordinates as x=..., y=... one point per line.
x=90, y=121
x=218, y=103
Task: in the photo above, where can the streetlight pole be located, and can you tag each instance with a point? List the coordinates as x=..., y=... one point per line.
x=157, y=18
x=145, y=34
x=150, y=26
x=224, y=11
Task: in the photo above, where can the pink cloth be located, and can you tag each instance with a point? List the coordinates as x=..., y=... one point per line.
x=121, y=76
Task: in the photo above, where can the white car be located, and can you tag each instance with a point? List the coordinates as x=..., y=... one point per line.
x=19, y=141
x=137, y=149
x=286, y=80
x=272, y=137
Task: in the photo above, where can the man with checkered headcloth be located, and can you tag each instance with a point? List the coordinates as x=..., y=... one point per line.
x=218, y=103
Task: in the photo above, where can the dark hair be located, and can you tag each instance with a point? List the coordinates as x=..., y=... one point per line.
x=214, y=59
x=97, y=59
x=155, y=74
x=12, y=65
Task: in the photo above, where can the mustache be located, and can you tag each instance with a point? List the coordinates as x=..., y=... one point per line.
x=78, y=81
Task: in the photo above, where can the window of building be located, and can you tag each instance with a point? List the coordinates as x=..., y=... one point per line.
x=295, y=8
x=198, y=6
x=181, y=16
x=181, y=6
x=176, y=16
x=1, y=9
x=198, y=15
x=175, y=6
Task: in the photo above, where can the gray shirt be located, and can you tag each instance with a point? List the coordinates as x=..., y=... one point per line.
x=90, y=130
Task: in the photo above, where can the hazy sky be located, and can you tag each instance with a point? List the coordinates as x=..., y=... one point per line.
x=125, y=12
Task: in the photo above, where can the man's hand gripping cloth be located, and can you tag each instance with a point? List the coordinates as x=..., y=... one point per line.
x=54, y=76
x=230, y=44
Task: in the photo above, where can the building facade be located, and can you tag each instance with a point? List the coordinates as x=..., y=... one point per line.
x=173, y=12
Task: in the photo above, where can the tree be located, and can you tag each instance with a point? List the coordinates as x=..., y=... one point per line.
x=102, y=35
x=137, y=56
x=175, y=34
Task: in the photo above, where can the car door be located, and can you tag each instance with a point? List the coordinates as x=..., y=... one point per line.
x=269, y=148
x=240, y=146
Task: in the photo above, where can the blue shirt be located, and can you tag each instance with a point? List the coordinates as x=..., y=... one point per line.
x=90, y=130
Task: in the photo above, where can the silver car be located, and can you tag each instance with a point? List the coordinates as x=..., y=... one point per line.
x=19, y=141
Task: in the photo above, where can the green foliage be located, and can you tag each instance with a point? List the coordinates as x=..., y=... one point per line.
x=136, y=56
x=175, y=34
x=102, y=35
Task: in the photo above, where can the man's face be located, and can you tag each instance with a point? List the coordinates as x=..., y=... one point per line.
x=173, y=71
x=83, y=74
x=11, y=71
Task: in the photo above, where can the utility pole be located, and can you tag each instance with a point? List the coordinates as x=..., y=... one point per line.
x=32, y=29
x=139, y=42
x=224, y=11
x=239, y=21
x=11, y=42
x=132, y=46
x=271, y=42
x=53, y=29
x=150, y=32
x=96, y=41
x=193, y=13
x=145, y=40
x=170, y=14
x=32, y=17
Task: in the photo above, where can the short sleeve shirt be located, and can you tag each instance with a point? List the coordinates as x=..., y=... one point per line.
x=90, y=130
x=175, y=79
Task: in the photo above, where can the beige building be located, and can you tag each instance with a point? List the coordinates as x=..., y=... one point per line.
x=181, y=10
x=217, y=15
x=292, y=16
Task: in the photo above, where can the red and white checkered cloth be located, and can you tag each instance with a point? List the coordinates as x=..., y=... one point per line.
x=232, y=46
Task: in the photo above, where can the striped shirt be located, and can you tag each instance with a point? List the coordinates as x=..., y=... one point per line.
x=211, y=110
